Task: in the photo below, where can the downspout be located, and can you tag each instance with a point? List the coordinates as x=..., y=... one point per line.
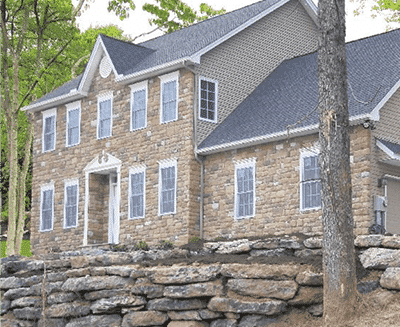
x=200, y=159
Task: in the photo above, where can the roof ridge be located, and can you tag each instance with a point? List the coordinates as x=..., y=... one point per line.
x=205, y=20
x=123, y=41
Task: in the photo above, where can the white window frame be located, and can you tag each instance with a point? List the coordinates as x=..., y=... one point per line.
x=47, y=114
x=70, y=107
x=101, y=98
x=44, y=188
x=310, y=152
x=133, y=171
x=142, y=86
x=67, y=183
x=215, y=120
x=167, y=164
x=248, y=163
x=174, y=76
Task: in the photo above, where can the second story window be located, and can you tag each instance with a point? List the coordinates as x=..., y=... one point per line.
x=139, y=105
x=49, y=130
x=169, y=97
x=310, y=189
x=73, y=123
x=208, y=91
x=104, y=116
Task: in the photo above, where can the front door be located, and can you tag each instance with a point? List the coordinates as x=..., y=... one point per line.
x=113, y=222
x=393, y=209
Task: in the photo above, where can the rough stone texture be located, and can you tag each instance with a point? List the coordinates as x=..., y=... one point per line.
x=56, y=277
x=105, y=305
x=391, y=279
x=80, y=262
x=182, y=275
x=368, y=286
x=270, y=253
x=95, y=283
x=310, y=278
x=61, y=297
x=316, y=310
x=30, y=301
x=166, y=304
x=81, y=272
x=236, y=270
x=362, y=241
x=234, y=247
x=256, y=321
x=16, y=282
x=98, y=321
x=18, y=292
x=259, y=288
x=194, y=290
x=266, y=307
x=49, y=288
x=391, y=242
x=28, y=313
x=378, y=258
x=144, y=287
x=307, y=296
x=276, y=243
x=5, y=305
x=208, y=314
x=382, y=297
x=51, y=322
x=145, y=318
x=187, y=324
x=75, y=309
x=12, y=322
x=119, y=271
x=184, y=315
x=231, y=315
x=308, y=253
x=224, y=323
x=313, y=243
x=23, y=265
x=96, y=295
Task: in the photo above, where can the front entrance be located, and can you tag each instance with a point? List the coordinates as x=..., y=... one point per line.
x=393, y=208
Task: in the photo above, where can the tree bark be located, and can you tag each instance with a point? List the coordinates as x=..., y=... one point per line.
x=337, y=218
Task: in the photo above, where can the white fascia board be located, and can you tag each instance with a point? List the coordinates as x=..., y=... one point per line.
x=379, y=106
x=311, y=9
x=387, y=151
x=302, y=131
x=54, y=102
x=196, y=57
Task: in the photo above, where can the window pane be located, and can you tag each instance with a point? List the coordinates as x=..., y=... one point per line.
x=167, y=190
x=207, y=100
x=245, y=191
x=49, y=125
x=169, y=101
x=71, y=205
x=139, y=109
x=47, y=209
x=105, y=119
x=137, y=195
x=49, y=133
x=73, y=119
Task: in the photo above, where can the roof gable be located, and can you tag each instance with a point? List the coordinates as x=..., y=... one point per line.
x=287, y=97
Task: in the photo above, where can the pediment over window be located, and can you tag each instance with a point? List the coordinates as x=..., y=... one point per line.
x=102, y=163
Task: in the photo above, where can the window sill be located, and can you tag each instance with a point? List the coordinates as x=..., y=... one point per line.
x=305, y=210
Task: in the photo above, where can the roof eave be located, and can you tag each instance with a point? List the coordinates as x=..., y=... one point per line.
x=311, y=9
x=296, y=132
x=73, y=95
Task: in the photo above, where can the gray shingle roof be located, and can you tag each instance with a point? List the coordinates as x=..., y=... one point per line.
x=291, y=91
x=395, y=148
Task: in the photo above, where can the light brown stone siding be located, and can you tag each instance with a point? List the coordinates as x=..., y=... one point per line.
x=277, y=189
x=147, y=147
x=283, y=34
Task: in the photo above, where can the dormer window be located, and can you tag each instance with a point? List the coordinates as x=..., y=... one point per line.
x=208, y=91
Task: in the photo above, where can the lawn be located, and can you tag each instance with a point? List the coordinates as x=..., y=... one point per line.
x=25, y=248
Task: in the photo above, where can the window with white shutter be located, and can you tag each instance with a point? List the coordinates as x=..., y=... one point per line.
x=71, y=199
x=104, y=117
x=167, y=187
x=49, y=130
x=310, y=184
x=208, y=92
x=73, y=123
x=169, y=97
x=245, y=189
x=138, y=106
x=47, y=208
x=137, y=193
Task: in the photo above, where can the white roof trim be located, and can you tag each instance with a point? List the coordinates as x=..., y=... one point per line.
x=375, y=111
x=311, y=129
x=389, y=152
x=54, y=102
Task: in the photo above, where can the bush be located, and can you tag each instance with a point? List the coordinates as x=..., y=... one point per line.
x=142, y=245
x=165, y=245
x=25, y=248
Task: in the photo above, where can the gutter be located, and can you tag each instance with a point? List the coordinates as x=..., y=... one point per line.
x=302, y=131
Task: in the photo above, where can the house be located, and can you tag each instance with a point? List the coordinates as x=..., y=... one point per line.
x=194, y=134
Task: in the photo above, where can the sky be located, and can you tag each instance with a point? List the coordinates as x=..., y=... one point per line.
x=96, y=15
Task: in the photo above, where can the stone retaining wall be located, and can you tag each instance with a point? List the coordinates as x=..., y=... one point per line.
x=98, y=288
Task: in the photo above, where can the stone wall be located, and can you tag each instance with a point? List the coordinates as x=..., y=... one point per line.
x=112, y=289
x=277, y=189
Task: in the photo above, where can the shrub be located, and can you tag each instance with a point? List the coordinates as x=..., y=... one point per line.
x=142, y=245
x=165, y=245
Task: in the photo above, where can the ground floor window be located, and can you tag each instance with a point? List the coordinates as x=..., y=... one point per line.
x=47, y=207
x=310, y=184
x=137, y=178
x=245, y=189
x=71, y=203
x=167, y=187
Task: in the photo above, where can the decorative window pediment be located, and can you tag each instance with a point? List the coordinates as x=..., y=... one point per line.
x=103, y=161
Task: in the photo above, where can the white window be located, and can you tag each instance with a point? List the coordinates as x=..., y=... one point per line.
x=137, y=192
x=310, y=184
x=71, y=199
x=138, y=105
x=46, y=207
x=49, y=130
x=167, y=187
x=169, y=97
x=73, y=123
x=104, y=116
x=245, y=188
x=208, y=95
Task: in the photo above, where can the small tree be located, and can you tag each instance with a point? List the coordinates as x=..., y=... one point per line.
x=334, y=161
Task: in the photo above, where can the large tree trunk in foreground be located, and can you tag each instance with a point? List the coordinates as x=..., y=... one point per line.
x=337, y=217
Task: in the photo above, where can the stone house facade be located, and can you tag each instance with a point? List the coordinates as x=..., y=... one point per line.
x=151, y=141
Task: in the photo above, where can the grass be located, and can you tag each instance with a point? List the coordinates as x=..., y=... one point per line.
x=25, y=248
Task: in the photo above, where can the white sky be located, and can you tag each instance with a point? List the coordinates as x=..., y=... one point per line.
x=97, y=15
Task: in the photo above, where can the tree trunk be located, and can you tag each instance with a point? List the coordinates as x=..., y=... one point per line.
x=334, y=161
